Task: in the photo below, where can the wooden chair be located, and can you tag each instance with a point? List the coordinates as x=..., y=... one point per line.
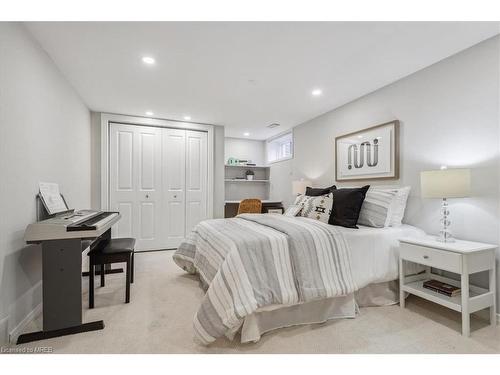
x=250, y=206
x=116, y=250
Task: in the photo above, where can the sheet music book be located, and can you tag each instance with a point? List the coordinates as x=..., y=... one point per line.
x=52, y=198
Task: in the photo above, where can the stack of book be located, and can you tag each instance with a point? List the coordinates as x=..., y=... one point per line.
x=442, y=288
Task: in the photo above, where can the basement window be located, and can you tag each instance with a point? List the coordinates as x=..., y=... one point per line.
x=280, y=148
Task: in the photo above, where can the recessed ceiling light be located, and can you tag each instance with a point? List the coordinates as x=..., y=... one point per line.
x=149, y=113
x=187, y=118
x=148, y=60
x=246, y=134
x=316, y=92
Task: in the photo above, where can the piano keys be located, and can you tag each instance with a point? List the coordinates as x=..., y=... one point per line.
x=80, y=224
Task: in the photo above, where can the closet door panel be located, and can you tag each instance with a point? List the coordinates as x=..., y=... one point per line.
x=124, y=227
x=196, y=178
x=147, y=162
x=122, y=183
x=174, y=185
x=149, y=234
x=135, y=183
x=125, y=173
x=148, y=220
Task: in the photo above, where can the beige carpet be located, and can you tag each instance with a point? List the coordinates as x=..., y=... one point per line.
x=164, y=300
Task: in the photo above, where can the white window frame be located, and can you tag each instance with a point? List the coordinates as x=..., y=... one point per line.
x=292, y=151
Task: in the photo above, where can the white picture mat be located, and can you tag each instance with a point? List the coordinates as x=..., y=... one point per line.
x=386, y=165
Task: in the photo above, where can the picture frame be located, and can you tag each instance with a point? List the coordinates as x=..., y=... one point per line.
x=368, y=154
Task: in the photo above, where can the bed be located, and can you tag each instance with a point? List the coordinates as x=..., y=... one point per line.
x=264, y=272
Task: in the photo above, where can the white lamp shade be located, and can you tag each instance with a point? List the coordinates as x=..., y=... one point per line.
x=299, y=187
x=446, y=183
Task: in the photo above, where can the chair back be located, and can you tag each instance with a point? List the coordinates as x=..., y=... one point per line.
x=250, y=206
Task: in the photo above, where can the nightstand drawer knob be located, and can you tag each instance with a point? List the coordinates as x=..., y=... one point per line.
x=426, y=257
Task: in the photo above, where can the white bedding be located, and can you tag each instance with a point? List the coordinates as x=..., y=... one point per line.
x=374, y=252
x=374, y=255
x=254, y=264
x=374, y=263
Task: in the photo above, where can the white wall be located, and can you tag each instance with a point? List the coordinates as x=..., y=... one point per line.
x=44, y=136
x=245, y=149
x=449, y=116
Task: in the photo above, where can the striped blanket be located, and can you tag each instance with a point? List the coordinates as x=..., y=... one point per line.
x=255, y=260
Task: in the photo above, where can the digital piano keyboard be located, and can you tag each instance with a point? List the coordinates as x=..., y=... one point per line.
x=79, y=224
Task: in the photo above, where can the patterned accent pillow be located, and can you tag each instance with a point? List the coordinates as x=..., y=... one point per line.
x=376, y=208
x=318, y=208
x=299, y=199
x=293, y=210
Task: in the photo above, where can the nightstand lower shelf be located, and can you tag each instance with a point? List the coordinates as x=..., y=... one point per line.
x=479, y=298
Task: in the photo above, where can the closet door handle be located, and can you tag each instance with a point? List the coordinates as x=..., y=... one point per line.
x=147, y=196
x=175, y=196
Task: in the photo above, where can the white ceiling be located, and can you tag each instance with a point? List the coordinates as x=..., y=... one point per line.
x=244, y=75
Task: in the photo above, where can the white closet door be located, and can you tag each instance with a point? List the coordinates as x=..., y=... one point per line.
x=135, y=183
x=196, y=178
x=174, y=185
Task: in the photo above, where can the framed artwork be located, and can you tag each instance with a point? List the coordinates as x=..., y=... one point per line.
x=368, y=154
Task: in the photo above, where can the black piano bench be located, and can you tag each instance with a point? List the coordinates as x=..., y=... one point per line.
x=116, y=250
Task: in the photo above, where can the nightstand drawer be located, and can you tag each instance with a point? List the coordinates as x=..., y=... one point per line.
x=445, y=260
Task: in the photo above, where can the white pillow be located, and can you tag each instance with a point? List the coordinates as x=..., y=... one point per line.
x=398, y=204
x=318, y=208
x=376, y=210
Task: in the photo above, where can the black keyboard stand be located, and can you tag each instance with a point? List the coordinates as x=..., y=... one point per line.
x=62, y=288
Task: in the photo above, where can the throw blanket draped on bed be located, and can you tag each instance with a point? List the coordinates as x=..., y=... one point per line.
x=254, y=260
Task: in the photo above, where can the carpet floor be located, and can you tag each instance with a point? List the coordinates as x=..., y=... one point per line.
x=164, y=300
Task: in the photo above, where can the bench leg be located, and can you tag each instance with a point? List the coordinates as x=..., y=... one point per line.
x=102, y=275
x=91, y=285
x=127, y=286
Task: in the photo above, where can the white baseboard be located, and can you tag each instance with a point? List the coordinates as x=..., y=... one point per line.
x=23, y=324
x=4, y=337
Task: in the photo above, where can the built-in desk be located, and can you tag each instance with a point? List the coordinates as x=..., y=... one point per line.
x=231, y=207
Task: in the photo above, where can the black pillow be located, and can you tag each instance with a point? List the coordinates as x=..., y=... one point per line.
x=316, y=192
x=346, y=206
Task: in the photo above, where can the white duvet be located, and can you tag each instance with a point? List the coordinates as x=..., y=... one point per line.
x=374, y=252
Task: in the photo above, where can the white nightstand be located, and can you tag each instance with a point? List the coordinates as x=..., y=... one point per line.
x=461, y=257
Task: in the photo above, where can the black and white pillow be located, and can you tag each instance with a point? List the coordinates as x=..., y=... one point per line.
x=318, y=208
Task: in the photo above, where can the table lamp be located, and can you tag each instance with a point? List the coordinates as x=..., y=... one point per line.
x=444, y=184
x=299, y=186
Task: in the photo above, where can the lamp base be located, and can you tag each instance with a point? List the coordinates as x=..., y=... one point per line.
x=447, y=239
x=444, y=233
